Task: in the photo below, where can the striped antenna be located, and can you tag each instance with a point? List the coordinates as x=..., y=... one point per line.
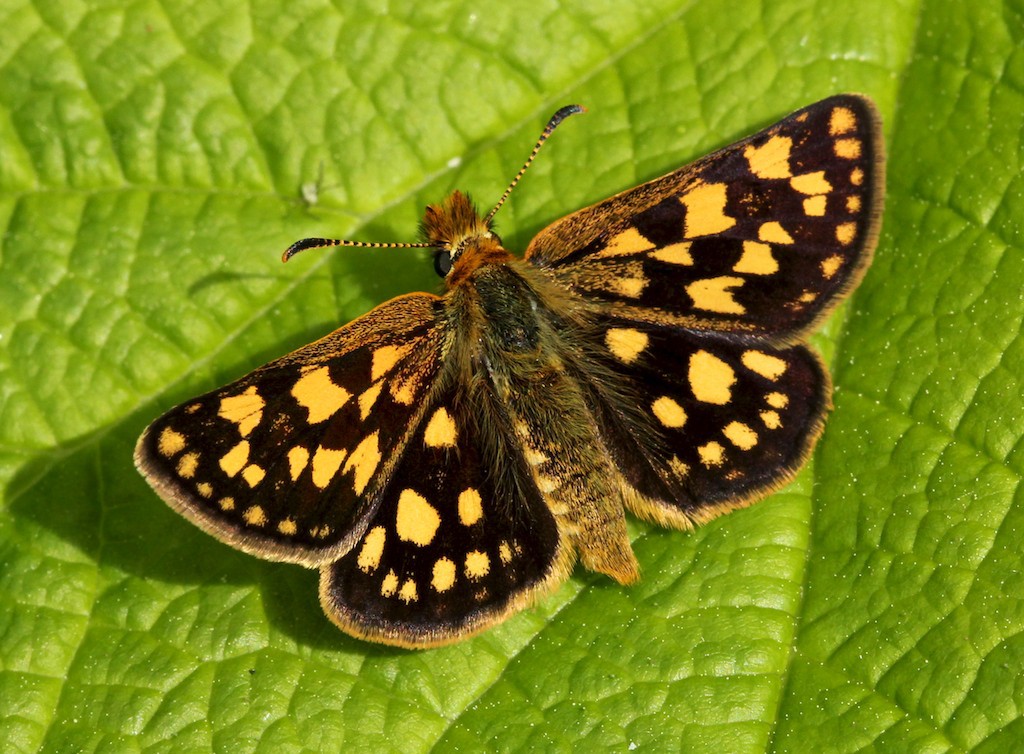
x=320, y=243
x=557, y=118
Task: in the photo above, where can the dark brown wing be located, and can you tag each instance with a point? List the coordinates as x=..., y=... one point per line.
x=461, y=539
x=699, y=288
x=762, y=237
x=698, y=424
x=285, y=463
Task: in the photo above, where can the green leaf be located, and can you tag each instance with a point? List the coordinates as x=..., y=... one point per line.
x=156, y=158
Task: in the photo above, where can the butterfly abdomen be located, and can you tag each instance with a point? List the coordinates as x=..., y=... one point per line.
x=571, y=468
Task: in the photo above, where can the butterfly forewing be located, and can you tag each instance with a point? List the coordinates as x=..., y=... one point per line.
x=284, y=462
x=446, y=552
x=760, y=237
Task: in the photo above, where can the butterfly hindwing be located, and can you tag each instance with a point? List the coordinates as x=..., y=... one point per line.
x=715, y=424
x=761, y=237
x=450, y=549
x=282, y=463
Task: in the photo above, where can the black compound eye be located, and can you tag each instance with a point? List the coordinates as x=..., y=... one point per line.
x=443, y=262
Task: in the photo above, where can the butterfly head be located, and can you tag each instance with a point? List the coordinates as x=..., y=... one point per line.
x=462, y=239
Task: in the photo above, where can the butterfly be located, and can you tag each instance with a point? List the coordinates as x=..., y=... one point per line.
x=445, y=460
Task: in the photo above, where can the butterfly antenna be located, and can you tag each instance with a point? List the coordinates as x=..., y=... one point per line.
x=557, y=118
x=320, y=243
